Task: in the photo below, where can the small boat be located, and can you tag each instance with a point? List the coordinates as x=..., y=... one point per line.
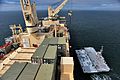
x=6, y=48
x=92, y=61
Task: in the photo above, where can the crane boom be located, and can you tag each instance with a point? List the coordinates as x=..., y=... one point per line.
x=30, y=15
x=53, y=12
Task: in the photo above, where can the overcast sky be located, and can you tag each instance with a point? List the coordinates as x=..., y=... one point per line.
x=6, y=5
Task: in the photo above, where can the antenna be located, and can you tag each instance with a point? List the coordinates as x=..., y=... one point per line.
x=70, y=12
x=101, y=50
x=70, y=9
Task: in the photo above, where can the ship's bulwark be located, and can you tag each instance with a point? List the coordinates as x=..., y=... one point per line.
x=89, y=28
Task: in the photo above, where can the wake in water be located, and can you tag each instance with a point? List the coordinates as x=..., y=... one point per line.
x=115, y=76
x=100, y=77
x=111, y=76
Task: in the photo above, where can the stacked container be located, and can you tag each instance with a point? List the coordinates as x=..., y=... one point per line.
x=67, y=67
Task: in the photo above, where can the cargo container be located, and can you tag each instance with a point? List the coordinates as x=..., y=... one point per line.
x=53, y=41
x=29, y=72
x=66, y=77
x=14, y=71
x=46, y=41
x=61, y=46
x=50, y=55
x=59, y=42
x=39, y=54
x=46, y=72
x=67, y=65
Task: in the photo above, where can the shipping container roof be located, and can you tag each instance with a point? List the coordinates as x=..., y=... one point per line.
x=14, y=71
x=51, y=52
x=39, y=53
x=29, y=72
x=54, y=40
x=67, y=60
x=45, y=72
x=62, y=40
x=45, y=41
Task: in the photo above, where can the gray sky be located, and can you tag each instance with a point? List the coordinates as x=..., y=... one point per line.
x=6, y=5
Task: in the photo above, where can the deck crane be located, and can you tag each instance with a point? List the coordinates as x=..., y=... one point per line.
x=30, y=15
x=53, y=12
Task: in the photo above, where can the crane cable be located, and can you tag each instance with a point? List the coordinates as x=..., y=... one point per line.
x=70, y=13
x=70, y=9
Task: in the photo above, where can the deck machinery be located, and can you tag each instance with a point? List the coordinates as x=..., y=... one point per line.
x=38, y=30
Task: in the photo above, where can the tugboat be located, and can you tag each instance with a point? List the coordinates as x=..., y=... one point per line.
x=92, y=61
x=4, y=49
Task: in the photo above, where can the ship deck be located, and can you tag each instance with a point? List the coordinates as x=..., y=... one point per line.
x=19, y=55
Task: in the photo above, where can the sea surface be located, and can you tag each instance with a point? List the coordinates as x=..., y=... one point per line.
x=87, y=29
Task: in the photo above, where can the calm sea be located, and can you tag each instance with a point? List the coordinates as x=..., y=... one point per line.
x=87, y=28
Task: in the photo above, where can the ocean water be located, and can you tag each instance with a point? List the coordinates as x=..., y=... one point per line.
x=6, y=19
x=87, y=28
x=96, y=29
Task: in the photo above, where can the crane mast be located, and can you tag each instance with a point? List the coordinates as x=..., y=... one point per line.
x=30, y=15
x=53, y=12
